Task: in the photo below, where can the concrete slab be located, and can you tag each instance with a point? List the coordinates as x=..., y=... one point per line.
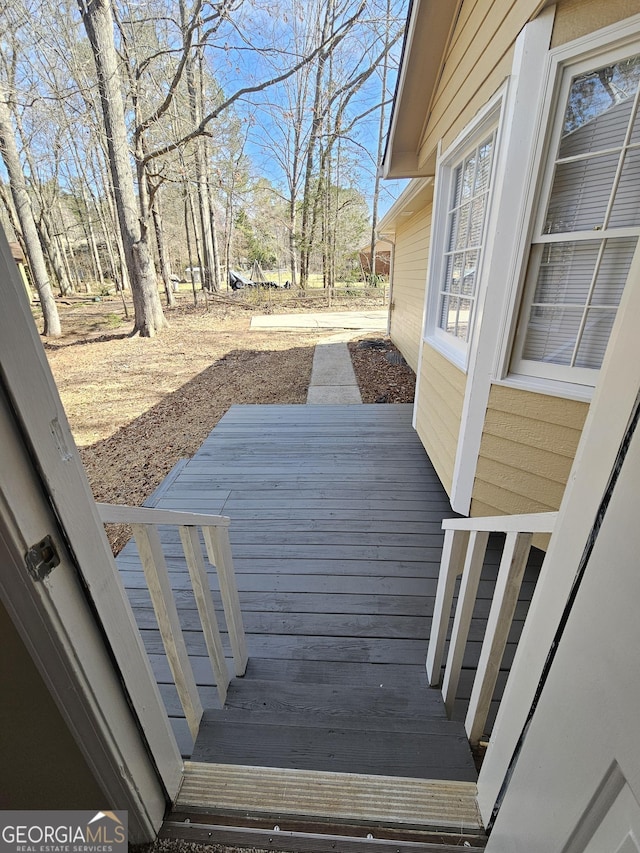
x=332, y=365
x=327, y=395
x=332, y=377
x=373, y=320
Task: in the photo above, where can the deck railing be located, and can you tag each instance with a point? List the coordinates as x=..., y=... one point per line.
x=465, y=544
x=144, y=522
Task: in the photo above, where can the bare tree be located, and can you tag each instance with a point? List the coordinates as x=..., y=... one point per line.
x=98, y=21
x=24, y=212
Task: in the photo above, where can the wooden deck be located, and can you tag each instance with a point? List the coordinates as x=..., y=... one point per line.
x=336, y=514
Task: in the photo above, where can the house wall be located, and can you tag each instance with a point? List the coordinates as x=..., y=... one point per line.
x=409, y=283
x=575, y=18
x=480, y=55
x=528, y=445
x=528, y=439
x=439, y=411
x=478, y=60
x=42, y=766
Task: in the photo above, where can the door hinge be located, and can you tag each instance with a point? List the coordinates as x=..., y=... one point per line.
x=41, y=558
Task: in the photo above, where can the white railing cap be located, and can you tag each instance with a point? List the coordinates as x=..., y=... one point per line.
x=535, y=522
x=122, y=514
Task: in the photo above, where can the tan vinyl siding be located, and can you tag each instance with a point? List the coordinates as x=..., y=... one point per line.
x=527, y=449
x=478, y=61
x=576, y=18
x=409, y=281
x=439, y=411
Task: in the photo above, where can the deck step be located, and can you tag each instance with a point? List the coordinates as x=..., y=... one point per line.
x=336, y=700
x=292, y=799
x=335, y=728
x=440, y=751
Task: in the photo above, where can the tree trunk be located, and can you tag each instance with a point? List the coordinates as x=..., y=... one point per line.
x=25, y=216
x=381, y=140
x=91, y=239
x=162, y=255
x=316, y=130
x=149, y=318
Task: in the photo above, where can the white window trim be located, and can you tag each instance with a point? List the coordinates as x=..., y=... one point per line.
x=488, y=119
x=595, y=47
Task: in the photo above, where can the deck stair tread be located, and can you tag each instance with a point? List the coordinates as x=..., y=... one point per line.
x=333, y=701
x=315, y=727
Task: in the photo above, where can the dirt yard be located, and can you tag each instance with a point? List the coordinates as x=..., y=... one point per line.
x=136, y=406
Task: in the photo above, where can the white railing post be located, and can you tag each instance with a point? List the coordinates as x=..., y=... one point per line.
x=219, y=553
x=503, y=606
x=204, y=603
x=157, y=577
x=464, y=611
x=451, y=566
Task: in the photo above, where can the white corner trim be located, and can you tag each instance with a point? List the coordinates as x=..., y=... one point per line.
x=516, y=141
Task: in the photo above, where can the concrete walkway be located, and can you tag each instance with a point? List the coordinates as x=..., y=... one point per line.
x=374, y=320
x=332, y=378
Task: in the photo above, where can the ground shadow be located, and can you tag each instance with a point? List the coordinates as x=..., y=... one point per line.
x=129, y=465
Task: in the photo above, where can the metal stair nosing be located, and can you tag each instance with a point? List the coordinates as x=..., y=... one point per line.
x=394, y=803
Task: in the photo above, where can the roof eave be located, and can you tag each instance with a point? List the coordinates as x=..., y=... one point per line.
x=429, y=27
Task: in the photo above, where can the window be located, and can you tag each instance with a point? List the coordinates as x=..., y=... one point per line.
x=587, y=224
x=465, y=231
x=464, y=187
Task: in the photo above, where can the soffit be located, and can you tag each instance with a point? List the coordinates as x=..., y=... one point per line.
x=428, y=30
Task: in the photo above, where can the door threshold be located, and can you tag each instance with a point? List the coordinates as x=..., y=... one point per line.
x=273, y=804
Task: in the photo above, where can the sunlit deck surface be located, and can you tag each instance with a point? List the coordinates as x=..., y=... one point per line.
x=336, y=535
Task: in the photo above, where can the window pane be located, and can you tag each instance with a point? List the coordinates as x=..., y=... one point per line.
x=457, y=187
x=613, y=272
x=580, y=194
x=626, y=206
x=566, y=272
x=462, y=238
x=454, y=273
x=483, y=175
x=453, y=228
x=552, y=334
x=470, y=273
x=595, y=337
x=477, y=221
x=464, y=318
x=444, y=311
x=469, y=171
x=449, y=314
x=594, y=95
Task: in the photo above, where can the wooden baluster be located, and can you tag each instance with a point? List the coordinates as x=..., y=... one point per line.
x=503, y=606
x=464, y=611
x=451, y=565
x=204, y=603
x=219, y=553
x=157, y=577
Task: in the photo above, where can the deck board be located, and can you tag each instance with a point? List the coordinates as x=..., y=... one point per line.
x=336, y=516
